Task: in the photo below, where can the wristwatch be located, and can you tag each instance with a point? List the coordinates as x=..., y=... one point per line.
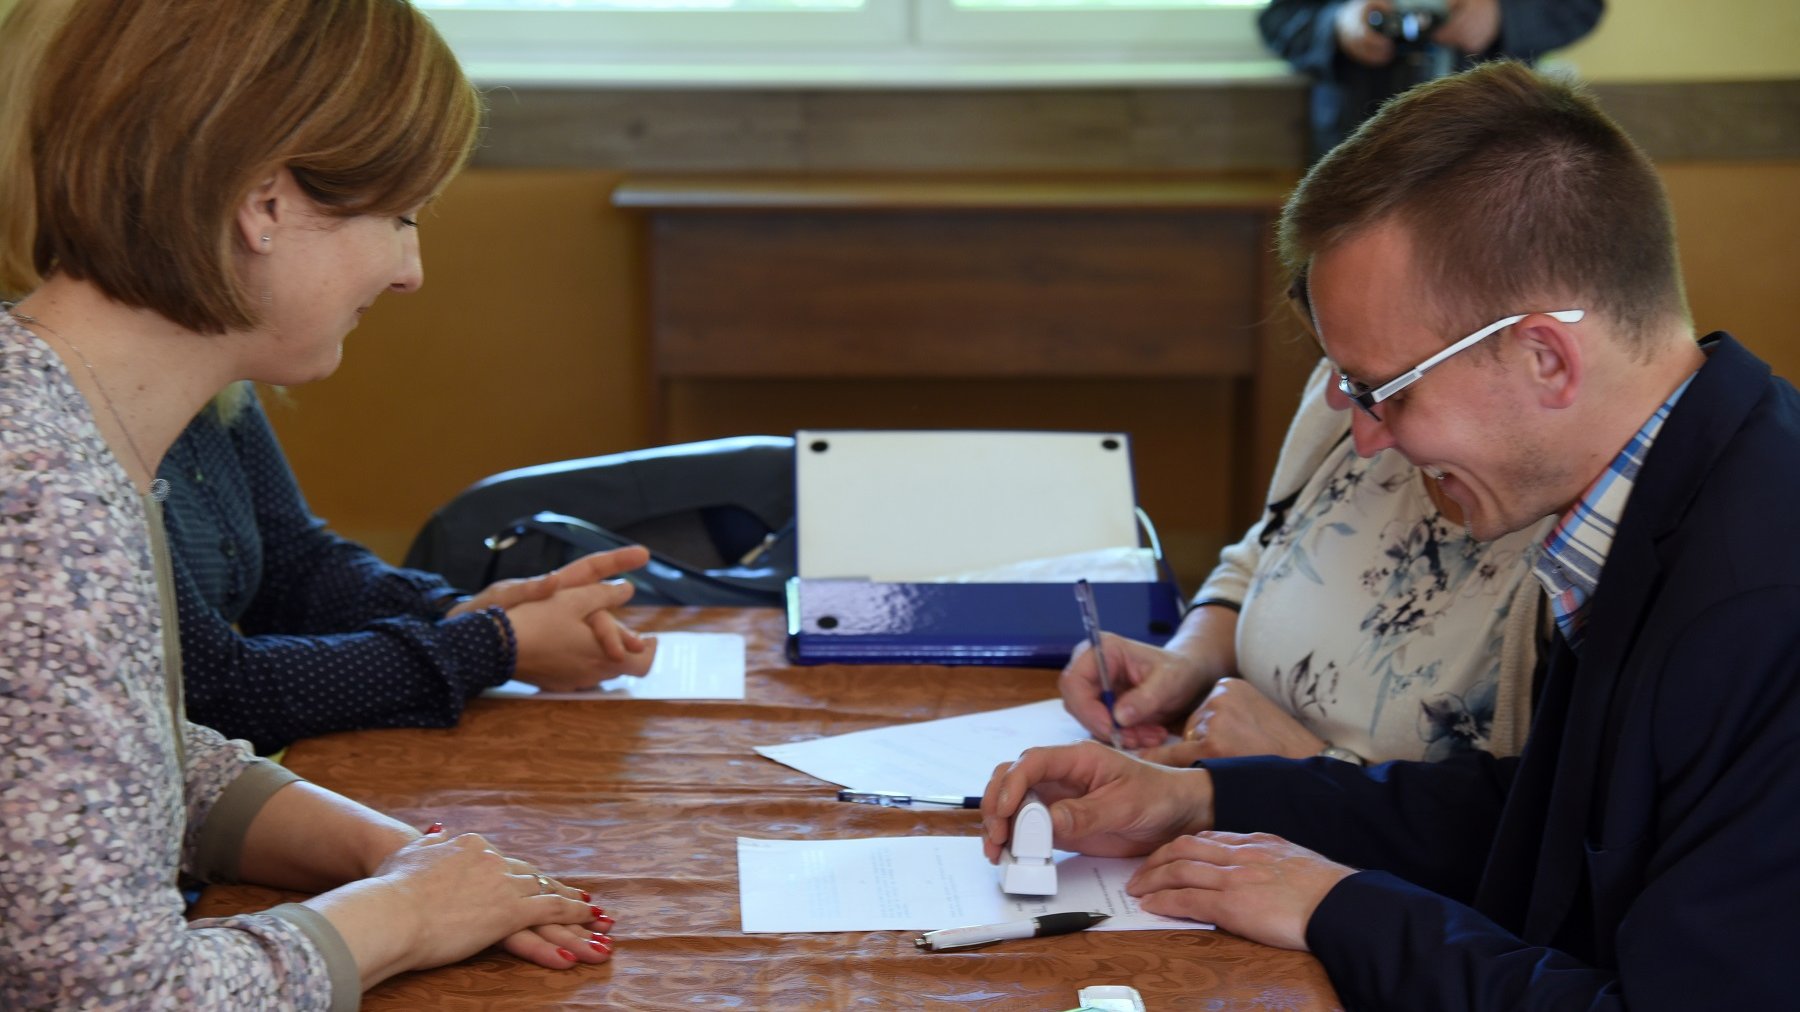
x=1331, y=751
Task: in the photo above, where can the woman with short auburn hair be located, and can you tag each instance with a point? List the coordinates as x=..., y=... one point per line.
x=209, y=192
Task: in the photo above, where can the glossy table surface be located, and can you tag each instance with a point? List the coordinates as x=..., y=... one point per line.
x=641, y=804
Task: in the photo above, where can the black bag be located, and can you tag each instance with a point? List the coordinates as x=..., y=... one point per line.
x=544, y=541
x=717, y=517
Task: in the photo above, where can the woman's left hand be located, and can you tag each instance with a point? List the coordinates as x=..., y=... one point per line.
x=1234, y=720
x=560, y=946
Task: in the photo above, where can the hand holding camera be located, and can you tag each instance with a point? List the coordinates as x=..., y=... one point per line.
x=1357, y=36
x=1374, y=32
x=1410, y=22
x=1468, y=26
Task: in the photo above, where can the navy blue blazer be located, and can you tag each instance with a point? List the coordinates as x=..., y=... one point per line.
x=1644, y=851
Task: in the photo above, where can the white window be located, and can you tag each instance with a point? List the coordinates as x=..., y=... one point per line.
x=853, y=42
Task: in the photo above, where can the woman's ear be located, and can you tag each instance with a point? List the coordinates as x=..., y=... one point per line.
x=1553, y=359
x=264, y=209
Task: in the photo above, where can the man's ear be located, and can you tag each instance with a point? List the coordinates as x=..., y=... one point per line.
x=264, y=209
x=1553, y=359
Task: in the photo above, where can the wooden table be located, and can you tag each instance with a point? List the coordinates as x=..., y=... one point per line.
x=641, y=803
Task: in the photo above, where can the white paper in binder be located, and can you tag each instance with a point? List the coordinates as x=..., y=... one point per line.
x=927, y=506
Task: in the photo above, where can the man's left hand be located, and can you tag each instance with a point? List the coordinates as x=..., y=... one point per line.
x=1251, y=884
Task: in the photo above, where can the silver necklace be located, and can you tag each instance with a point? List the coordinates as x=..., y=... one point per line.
x=159, y=487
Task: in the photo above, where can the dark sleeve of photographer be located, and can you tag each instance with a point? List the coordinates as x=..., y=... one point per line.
x=1352, y=63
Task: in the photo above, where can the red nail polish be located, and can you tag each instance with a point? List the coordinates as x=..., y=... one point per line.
x=436, y=827
x=597, y=912
x=584, y=895
x=601, y=947
x=605, y=922
x=566, y=954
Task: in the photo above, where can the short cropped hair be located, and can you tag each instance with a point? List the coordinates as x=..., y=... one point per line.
x=150, y=121
x=1513, y=186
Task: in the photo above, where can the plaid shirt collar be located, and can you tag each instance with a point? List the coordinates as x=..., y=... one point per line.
x=1575, y=552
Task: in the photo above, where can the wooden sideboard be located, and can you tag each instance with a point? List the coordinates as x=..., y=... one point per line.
x=925, y=279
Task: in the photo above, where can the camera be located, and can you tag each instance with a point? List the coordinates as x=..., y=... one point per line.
x=1410, y=24
x=1416, y=58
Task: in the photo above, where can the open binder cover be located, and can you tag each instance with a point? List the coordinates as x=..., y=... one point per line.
x=910, y=543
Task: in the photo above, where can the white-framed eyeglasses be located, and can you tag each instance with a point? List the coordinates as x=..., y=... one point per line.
x=1366, y=397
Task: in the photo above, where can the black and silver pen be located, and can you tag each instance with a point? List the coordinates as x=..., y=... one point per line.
x=886, y=800
x=946, y=939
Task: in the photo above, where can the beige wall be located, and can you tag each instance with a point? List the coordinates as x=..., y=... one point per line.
x=1679, y=40
x=522, y=348
x=1735, y=224
x=525, y=346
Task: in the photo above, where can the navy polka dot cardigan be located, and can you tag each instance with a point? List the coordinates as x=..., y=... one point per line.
x=289, y=631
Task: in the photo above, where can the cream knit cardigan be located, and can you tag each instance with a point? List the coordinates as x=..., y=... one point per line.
x=1314, y=432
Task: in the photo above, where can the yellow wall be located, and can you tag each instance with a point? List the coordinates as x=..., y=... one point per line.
x=524, y=345
x=522, y=348
x=1735, y=224
x=1679, y=40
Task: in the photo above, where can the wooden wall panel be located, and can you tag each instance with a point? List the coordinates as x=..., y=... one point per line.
x=954, y=294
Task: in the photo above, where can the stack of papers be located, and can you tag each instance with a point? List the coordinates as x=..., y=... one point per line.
x=922, y=882
x=955, y=755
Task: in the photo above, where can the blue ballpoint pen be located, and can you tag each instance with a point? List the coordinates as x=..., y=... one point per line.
x=1090, y=618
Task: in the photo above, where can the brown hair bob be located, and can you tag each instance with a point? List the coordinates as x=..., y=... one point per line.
x=1515, y=188
x=150, y=121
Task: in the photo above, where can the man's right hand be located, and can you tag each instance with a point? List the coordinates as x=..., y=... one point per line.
x=1361, y=43
x=1102, y=801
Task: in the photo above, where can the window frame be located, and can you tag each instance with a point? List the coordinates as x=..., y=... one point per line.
x=882, y=43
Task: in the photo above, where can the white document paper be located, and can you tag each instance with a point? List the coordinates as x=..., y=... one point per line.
x=1104, y=565
x=912, y=505
x=688, y=665
x=920, y=883
x=955, y=755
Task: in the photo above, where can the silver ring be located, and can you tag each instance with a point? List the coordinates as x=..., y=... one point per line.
x=544, y=885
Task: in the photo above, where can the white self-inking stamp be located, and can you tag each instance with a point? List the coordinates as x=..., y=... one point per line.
x=1027, y=864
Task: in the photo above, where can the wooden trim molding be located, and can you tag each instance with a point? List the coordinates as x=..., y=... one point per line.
x=1210, y=128
x=1727, y=121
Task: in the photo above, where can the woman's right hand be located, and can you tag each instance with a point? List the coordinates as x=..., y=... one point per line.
x=440, y=899
x=571, y=641
x=1153, y=688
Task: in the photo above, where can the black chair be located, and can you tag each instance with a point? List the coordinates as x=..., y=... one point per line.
x=711, y=511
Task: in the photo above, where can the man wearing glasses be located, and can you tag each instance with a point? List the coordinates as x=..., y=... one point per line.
x=1640, y=853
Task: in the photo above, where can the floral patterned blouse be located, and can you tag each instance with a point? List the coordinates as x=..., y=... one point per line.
x=1386, y=666
x=106, y=792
